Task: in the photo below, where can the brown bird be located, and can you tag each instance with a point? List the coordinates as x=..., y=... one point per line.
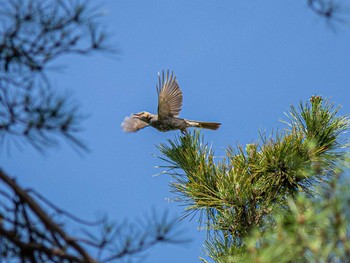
x=169, y=107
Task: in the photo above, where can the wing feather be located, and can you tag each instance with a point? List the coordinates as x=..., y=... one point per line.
x=132, y=124
x=169, y=95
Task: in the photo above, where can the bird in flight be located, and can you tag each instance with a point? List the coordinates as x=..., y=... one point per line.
x=169, y=107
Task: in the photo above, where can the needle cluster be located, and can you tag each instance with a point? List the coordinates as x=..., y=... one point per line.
x=240, y=192
x=32, y=35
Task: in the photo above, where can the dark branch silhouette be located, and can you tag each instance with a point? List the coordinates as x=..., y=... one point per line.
x=331, y=10
x=32, y=35
x=33, y=232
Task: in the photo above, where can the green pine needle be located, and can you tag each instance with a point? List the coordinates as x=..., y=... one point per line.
x=241, y=192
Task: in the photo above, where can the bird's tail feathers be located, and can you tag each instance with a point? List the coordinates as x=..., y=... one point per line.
x=204, y=124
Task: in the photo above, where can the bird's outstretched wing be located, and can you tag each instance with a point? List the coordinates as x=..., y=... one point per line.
x=169, y=96
x=132, y=124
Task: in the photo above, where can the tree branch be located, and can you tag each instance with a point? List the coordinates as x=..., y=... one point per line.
x=45, y=219
x=29, y=248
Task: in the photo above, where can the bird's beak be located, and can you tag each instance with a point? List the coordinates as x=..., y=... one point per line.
x=136, y=115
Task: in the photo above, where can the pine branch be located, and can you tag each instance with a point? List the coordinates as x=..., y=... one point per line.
x=50, y=226
x=310, y=230
x=239, y=193
x=30, y=231
x=33, y=34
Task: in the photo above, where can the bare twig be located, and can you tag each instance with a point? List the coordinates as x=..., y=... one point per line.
x=45, y=219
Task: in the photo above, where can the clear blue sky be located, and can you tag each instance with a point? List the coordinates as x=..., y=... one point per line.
x=242, y=63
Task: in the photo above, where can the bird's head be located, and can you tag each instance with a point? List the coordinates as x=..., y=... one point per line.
x=143, y=116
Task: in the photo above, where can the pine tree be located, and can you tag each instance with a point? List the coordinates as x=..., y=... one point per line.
x=253, y=201
x=33, y=34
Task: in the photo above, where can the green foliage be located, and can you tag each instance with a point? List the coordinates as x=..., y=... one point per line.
x=241, y=192
x=320, y=125
x=311, y=230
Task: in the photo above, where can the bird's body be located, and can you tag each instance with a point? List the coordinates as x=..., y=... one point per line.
x=168, y=124
x=169, y=106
